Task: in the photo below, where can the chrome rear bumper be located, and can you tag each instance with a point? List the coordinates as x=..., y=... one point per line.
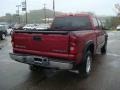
x=42, y=61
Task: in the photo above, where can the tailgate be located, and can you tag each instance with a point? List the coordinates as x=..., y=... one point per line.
x=45, y=42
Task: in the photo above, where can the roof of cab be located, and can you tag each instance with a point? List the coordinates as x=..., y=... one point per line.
x=79, y=14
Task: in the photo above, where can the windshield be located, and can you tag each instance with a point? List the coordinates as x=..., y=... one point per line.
x=80, y=22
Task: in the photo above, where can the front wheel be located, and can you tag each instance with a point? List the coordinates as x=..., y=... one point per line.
x=104, y=48
x=85, y=67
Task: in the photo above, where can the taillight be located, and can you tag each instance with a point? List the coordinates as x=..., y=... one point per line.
x=73, y=45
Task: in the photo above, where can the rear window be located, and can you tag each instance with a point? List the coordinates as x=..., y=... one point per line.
x=80, y=22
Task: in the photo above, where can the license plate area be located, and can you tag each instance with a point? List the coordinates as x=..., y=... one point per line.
x=41, y=61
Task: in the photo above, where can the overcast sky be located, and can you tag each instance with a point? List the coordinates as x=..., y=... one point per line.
x=100, y=7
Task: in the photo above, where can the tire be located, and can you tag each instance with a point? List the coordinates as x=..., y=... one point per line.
x=85, y=67
x=104, y=48
x=3, y=36
x=35, y=68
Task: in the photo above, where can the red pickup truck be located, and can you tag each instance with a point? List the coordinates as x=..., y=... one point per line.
x=69, y=44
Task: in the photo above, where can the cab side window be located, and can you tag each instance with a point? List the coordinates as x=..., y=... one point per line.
x=95, y=22
x=100, y=24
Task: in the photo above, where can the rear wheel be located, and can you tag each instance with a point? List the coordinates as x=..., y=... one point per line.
x=85, y=67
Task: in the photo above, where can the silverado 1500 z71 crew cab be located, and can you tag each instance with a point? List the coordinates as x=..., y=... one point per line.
x=69, y=44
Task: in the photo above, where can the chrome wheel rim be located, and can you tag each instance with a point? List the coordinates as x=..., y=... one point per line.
x=88, y=64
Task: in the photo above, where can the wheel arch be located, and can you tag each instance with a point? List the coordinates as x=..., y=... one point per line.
x=89, y=46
